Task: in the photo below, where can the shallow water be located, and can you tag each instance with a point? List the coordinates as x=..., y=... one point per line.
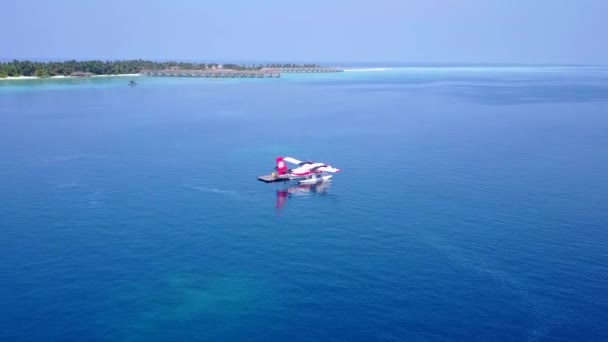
x=471, y=206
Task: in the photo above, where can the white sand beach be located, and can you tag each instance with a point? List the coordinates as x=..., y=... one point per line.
x=118, y=75
x=17, y=78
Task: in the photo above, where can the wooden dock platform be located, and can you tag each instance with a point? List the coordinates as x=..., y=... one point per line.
x=274, y=178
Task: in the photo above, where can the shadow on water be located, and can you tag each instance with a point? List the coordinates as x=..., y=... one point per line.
x=299, y=191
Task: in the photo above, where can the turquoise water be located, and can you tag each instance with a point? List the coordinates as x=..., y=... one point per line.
x=471, y=206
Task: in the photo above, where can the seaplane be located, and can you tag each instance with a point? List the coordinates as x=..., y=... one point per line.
x=305, y=172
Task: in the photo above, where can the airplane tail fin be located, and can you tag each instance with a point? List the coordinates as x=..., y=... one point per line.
x=281, y=166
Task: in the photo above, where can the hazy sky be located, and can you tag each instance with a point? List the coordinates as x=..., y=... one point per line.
x=427, y=31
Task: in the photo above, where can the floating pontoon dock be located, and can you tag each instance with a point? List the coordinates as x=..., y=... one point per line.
x=274, y=178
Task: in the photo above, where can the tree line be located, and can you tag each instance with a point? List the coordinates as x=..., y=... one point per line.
x=98, y=67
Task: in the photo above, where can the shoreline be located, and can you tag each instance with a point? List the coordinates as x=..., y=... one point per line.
x=59, y=77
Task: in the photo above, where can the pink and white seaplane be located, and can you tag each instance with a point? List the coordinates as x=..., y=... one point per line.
x=306, y=172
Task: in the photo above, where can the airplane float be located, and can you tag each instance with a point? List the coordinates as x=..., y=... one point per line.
x=306, y=172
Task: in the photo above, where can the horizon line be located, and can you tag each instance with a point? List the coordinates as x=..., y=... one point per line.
x=282, y=61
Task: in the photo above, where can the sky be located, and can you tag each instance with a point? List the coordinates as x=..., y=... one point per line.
x=392, y=31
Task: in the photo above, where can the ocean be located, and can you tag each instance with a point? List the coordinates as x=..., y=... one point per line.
x=471, y=206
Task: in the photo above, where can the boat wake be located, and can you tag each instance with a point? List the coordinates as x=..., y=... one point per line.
x=214, y=190
x=220, y=192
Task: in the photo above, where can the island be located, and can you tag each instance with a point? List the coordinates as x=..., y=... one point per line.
x=73, y=68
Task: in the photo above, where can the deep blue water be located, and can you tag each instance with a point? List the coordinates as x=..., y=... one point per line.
x=472, y=206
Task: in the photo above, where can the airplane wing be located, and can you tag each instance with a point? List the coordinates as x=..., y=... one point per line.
x=292, y=160
x=327, y=168
x=311, y=166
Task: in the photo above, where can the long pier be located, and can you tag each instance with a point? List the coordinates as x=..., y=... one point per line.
x=212, y=73
x=231, y=73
